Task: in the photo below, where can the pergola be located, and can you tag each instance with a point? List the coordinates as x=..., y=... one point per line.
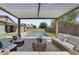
x=38, y=11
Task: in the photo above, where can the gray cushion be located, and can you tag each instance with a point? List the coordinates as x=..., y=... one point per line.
x=61, y=36
x=64, y=44
x=5, y=42
x=66, y=36
x=10, y=46
x=73, y=40
x=68, y=45
x=0, y=51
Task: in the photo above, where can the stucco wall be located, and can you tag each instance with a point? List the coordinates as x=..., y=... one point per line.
x=5, y=19
x=22, y=28
x=2, y=19
x=2, y=28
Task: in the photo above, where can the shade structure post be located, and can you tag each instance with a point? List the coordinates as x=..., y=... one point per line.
x=57, y=28
x=19, y=34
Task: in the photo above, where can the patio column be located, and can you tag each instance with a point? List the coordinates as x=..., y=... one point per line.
x=56, y=28
x=19, y=27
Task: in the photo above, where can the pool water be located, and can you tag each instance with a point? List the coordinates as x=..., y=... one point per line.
x=37, y=34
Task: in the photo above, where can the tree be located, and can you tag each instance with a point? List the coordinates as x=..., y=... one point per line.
x=69, y=19
x=34, y=26
x=43, y=25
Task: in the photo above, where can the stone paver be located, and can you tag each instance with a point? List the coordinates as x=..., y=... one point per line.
x=28, y=46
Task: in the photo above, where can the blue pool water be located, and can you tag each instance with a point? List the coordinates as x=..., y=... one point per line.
x=37, y=34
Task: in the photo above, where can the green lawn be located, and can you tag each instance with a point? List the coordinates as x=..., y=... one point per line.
x=51, y=33
x=6, y=35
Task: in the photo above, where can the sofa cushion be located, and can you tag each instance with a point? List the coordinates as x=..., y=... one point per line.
x=65, y=44
x=74, y=40
x=61, y=36
x=68, y=45
x=0, y=51
x=5, y=42
x=11, y=46
x=66, y=37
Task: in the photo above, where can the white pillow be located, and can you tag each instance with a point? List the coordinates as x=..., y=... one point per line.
x=66, y=36
x=74, y=40
x=65, y=39
x=0, y=51
x=61, y=36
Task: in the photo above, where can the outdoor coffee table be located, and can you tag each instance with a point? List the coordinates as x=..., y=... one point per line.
x=41, y=46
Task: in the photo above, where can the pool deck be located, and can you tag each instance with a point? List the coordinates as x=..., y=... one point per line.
x=28, y=46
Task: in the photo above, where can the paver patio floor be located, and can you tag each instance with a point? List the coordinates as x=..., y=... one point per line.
x=28, y=46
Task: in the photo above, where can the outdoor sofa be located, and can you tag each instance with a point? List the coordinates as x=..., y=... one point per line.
x=17, y=40
x=6, y=52
x=67, y=42
x=6, y=44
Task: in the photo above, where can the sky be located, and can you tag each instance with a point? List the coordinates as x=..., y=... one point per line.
x=36, y=21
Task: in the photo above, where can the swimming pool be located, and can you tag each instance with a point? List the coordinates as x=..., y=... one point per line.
x=37, y=34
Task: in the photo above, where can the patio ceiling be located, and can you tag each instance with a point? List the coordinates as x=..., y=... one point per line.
x=38, y=10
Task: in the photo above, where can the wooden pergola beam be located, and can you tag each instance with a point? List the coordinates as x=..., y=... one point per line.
x=37, y=18
x=68, y=12
x=38, y=10
x=8, y=12
x=57, y=29
x=19, y=32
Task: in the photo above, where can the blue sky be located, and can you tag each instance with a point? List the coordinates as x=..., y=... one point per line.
x=36, y=21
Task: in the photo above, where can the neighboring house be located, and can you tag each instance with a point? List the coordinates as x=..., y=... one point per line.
x=2, y=27
x=23, y=27
x=7, y=25
x=29, y=26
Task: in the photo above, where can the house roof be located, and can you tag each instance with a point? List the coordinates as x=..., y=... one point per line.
x=22, y=24
x=29, y=25
x=4, y=16
x=38, y=10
